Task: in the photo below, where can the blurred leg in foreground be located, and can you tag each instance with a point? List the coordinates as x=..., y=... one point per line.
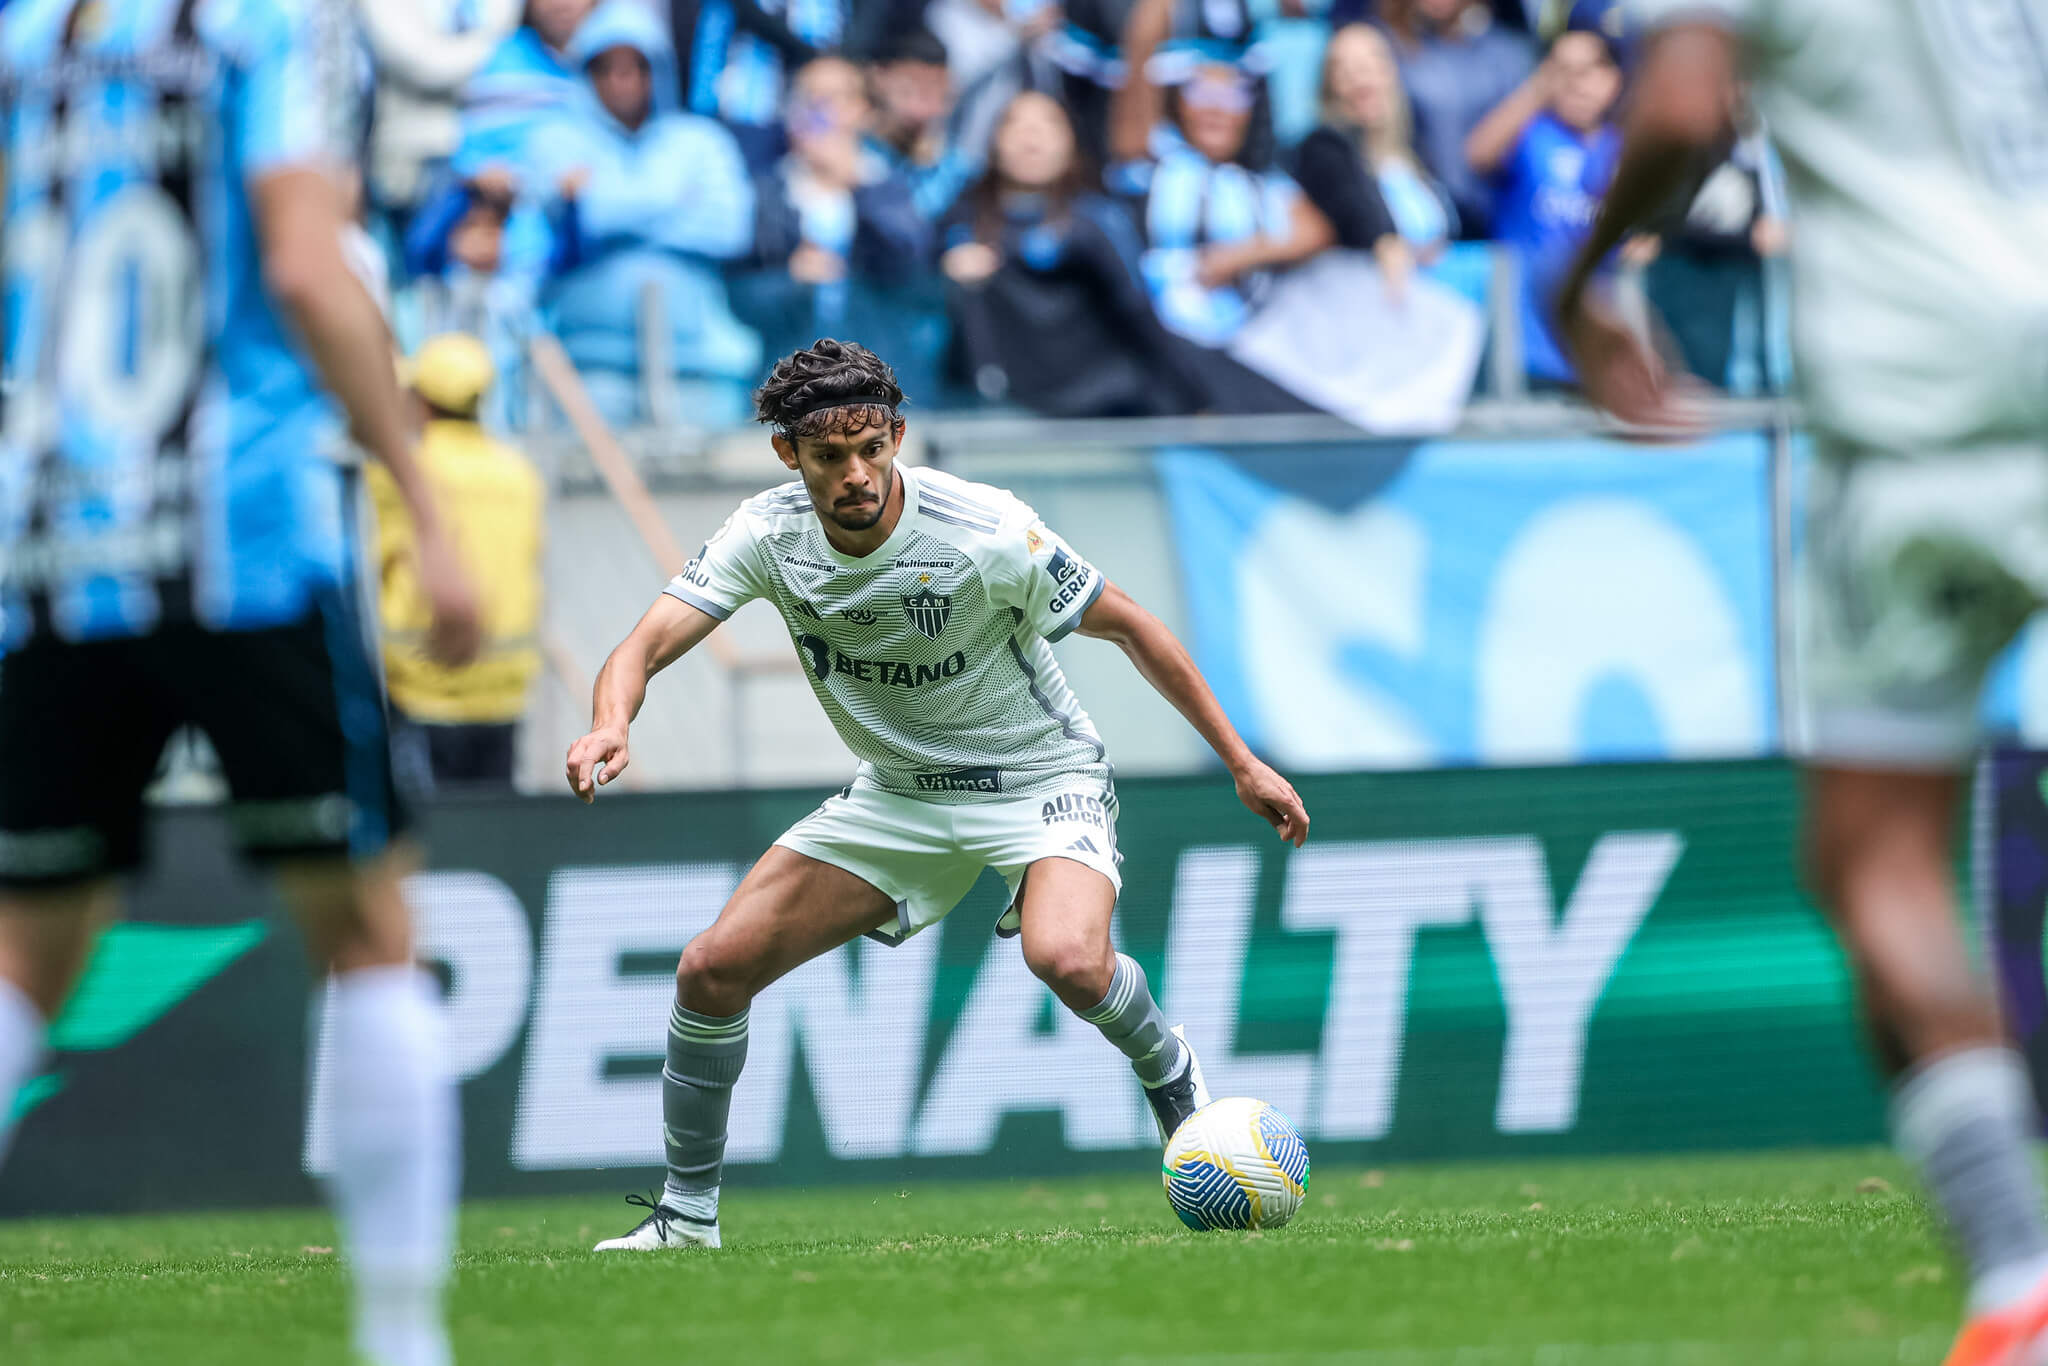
x=395, y=1117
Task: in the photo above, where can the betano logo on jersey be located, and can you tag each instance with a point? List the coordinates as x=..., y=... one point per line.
x=823, y=661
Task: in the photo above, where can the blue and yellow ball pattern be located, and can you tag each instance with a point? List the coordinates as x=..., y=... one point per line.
x=1236, y=1163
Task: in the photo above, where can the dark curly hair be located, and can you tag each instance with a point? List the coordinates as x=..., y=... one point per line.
x=797, y=397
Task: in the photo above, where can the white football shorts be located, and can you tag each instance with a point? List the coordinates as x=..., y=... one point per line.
x=1918, y=572
x=926, y=856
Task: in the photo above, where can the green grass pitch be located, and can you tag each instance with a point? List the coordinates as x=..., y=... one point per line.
x=1790, y=1258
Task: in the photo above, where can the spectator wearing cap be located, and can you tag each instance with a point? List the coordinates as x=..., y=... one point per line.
x=467, y=240
x=455, y=726
x=1551, y=149
x=661, y=198
x=1457, y=64
x=1217, y=223
x=912, y=93
x=1049, y=307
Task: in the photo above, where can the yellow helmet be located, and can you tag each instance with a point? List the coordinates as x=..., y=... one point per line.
x=453, y=372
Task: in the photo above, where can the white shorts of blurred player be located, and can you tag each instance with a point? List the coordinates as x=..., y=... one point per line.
x=1918, y=571
x=926, y=855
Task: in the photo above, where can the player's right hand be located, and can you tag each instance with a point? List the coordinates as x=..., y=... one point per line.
x=457, y=632
x=603, y=748
x=1621, y=373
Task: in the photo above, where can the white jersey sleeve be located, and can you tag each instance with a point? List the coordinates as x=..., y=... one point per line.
x=726, y=574
x=1040, y=575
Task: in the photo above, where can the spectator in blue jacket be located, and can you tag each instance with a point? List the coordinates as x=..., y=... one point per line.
x=527, y=81
x=834, y=206
x=838, y=238
x=1551, y=149
x=913, y=98
x=1457, y=63
x=662, y=197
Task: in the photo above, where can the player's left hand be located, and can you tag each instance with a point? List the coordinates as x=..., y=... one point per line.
x=1274, y=799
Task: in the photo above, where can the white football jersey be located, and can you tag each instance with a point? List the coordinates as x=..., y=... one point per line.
x=1915, y=140
x=930, y=653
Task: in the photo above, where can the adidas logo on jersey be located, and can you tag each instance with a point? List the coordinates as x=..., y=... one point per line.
x=1084, y=845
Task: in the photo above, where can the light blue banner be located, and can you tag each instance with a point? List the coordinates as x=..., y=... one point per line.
x=1477, y=602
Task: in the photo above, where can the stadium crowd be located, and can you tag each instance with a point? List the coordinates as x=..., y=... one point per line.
x=1088, y=210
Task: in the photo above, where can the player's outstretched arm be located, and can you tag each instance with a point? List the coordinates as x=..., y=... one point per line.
x=1165, y=664
x=299, y=224
x=665, y=634
x=1683, y=101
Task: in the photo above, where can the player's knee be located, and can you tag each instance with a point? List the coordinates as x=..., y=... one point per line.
x=709, y=982
x=1077, y=970
x=351, y=916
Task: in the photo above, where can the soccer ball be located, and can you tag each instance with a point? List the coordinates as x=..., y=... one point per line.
x=1236, y=1163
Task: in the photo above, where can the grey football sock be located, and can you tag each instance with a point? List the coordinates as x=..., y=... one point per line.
x=1129, y=1018
x=1965, y=1121
x=705, y=1055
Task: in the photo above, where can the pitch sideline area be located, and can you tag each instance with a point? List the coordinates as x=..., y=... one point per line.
x=1826, y=1259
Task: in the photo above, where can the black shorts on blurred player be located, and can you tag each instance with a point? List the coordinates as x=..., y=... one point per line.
x=295, y=713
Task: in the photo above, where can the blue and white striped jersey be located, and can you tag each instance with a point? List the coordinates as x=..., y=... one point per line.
x=165, y=454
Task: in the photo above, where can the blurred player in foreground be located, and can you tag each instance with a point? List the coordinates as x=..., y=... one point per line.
x=921, y=605
x=176, y=548
x=1915, y=142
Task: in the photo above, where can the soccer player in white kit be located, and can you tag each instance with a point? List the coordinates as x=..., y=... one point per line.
x=1915, y=140
x=921, y=606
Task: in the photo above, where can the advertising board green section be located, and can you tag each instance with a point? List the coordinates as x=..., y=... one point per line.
x=1478, y=963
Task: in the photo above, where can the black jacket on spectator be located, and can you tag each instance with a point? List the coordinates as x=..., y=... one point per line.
x=891, y=239
x=889, y=298
x=1333, y=175
x=872, y=25
x=1064, y=327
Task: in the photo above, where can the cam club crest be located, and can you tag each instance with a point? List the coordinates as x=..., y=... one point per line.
x=928, y=611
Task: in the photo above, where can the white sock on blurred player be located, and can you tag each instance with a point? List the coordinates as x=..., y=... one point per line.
x=1965, y=1121
x=395, y=1161
x=21, y=1049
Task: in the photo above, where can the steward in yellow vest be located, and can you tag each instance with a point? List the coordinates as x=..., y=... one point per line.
x=457, y=725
